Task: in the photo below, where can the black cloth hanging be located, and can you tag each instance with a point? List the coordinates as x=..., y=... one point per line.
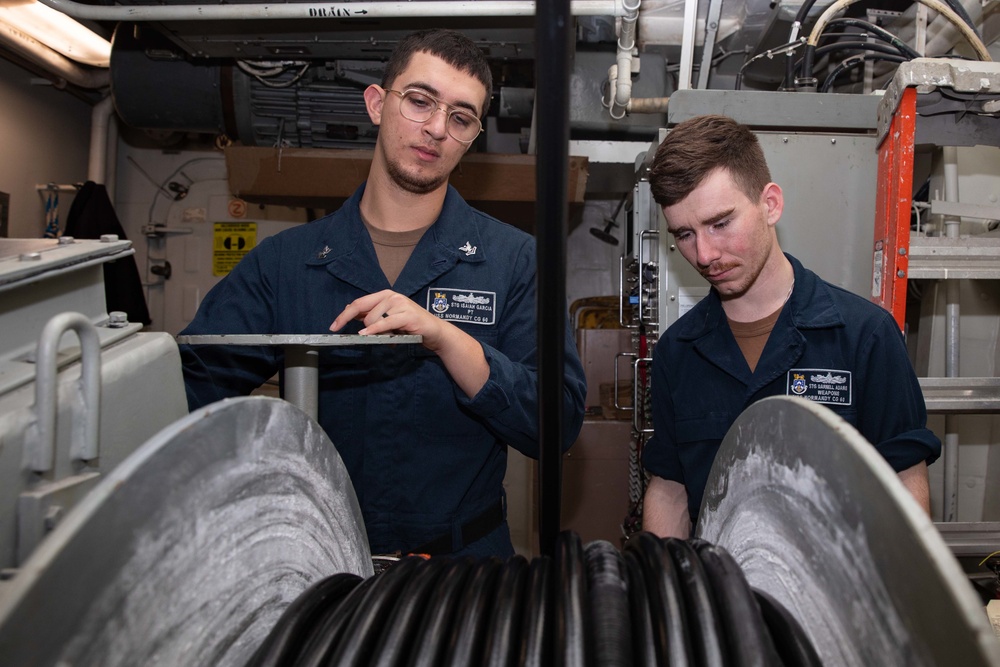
x=90, y=216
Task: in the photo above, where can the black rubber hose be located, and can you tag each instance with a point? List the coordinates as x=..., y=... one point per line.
x=440, y=614
x=643, y=642
x=853, y=62
x=298, y=620
x=608, y=605
x=791, y=641
x=747, y=640
x=874, y=47
x=878, y=31
x=800, y=18
x=504, y=639
x=329, y=632
x=707, y=641
x=573, y=633
x=808, y=57
x=666, y=602
x=538, y=624
x=399, y=635
x=371, y=614
x=465, y=646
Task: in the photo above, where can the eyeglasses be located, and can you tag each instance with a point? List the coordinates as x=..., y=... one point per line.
x=419, y=107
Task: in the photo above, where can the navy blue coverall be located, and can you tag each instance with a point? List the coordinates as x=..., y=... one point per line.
x=424, y=458
x=828, y=345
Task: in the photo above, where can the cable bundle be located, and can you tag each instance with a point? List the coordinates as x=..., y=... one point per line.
x=658, y=602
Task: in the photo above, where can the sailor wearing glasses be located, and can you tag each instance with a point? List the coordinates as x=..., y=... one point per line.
x=423, y=429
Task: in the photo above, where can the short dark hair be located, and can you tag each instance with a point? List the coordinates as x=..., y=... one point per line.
x=698, y=146
x=450, y=46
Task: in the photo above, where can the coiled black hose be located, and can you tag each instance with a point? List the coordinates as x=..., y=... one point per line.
x=436, y=628
x=470, y=629
x=574, y=636
x=608, y=605
x=666, y=602
x=790, y=639
x=400, y=632
x=747, y=640
x=329, y=632
x=658, y=602
x=299, y=619
x=504, y=637
x=703, y=619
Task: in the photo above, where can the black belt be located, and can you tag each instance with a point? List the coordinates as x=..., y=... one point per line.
x=474, y=529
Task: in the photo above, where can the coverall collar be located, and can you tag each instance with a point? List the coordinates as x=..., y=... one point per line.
x=811, y=306
x=347, y=252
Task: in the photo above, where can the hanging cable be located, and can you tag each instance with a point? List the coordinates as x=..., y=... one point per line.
x=970, y=35
x=855, y=61
x=877, y=31
x=788, y=48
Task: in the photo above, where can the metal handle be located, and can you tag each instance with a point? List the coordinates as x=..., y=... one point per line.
x=622, y=354
x=635, y=394
x=39, y=451
x=642, y=237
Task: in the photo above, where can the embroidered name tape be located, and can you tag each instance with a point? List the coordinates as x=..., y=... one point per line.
x=462, y=305
x=821, y=385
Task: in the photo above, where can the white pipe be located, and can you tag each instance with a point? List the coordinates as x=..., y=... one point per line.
x=321, y=11
x=100, y=116
x=952, y=339
x=622, y=86
x=34, y=51
x=687, y=44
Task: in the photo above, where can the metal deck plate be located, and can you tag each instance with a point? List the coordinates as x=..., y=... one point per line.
x=817, y=518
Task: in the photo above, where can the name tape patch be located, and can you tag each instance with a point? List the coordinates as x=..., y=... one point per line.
x=821, y=385
x=462, y=305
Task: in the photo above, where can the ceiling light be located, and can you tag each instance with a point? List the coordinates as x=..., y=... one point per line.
x=56, y=31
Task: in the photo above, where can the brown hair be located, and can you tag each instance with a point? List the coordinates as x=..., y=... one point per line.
x=700, y=145
x=452, y=47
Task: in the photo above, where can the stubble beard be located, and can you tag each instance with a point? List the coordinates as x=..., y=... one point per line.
x=413, y=183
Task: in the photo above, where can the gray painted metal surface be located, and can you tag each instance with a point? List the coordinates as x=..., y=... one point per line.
x=778, y=110
x=311, y=340
x=981, y=80
x=815, y=517
x=188, y=552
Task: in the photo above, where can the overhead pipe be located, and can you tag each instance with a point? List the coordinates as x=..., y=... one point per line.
x=620, y=74
x=55, y=63
x=100, y=118
x=311, y=11
x=952, y=338
x=621, y=102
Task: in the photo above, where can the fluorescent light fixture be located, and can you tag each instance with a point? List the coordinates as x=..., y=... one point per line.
x=56, y=31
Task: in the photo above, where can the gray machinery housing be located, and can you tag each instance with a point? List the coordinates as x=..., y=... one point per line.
x=71, y=407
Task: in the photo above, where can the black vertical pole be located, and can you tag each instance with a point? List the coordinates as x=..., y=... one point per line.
x=553, y=48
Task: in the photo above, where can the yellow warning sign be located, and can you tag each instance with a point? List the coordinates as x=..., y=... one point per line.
x=232, y=240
